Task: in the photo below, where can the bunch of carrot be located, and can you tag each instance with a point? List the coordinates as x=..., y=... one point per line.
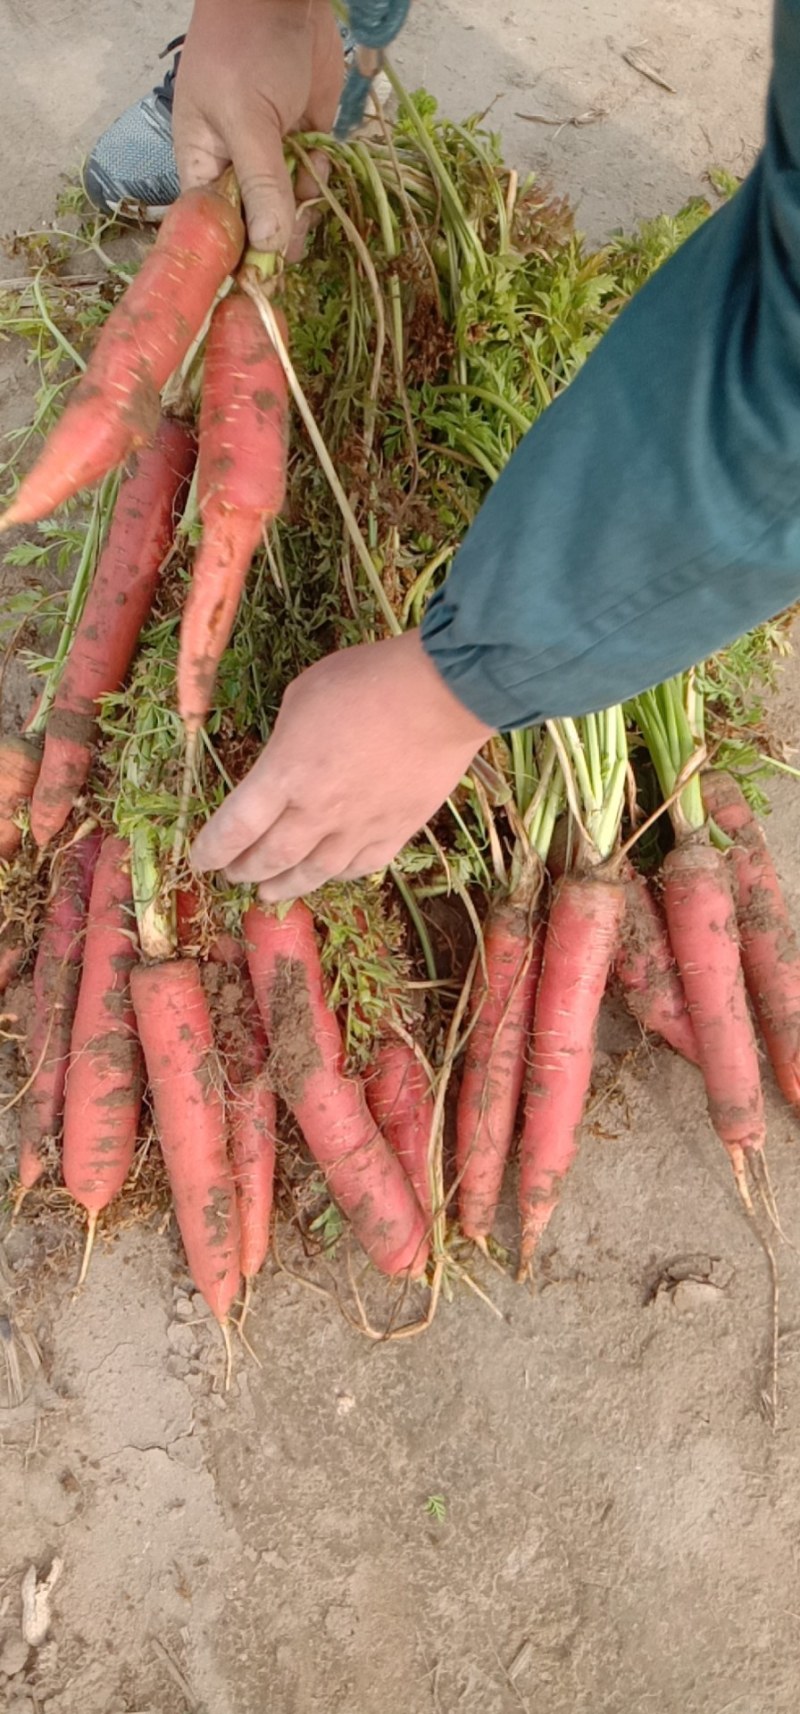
x=114, y=418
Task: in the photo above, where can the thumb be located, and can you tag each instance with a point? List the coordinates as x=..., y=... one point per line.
x=257, y=153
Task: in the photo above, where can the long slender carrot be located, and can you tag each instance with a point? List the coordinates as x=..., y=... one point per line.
x=104, y=1082
x=400, y=1101
x=582, y=936
x=107, y=634
x=253, y=1130
x=114, y=408
x=241, y=481
x=645, y=965
x=307, y=1064
x=769, y=947
x=56, y=975
x=501, y=1013
x=702, y=928
x=20, y=760
x=178, y=1043
x=250, y=1100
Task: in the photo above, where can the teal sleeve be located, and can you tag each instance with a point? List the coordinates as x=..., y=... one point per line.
x=652, y=515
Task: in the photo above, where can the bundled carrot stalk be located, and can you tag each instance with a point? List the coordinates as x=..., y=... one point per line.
x=241, y=481
x=307, y=1063
x=115, y=610
x=582, y=937
x=114, y=408
x=769, y=947
x=104, y=1081
x=701, y=918
x=56, y=976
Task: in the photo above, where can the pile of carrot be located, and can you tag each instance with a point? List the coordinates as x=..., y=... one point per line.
x=127, y=1011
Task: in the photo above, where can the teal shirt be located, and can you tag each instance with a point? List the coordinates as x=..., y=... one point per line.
x=652, y=515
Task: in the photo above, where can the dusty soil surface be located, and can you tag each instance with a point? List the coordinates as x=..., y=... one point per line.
x=614, y=1525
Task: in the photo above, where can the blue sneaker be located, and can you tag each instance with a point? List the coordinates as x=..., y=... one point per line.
x=131, y=169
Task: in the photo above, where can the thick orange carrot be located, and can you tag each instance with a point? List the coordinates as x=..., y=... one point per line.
x=501, y=1012
x=241, y=480
x=307, y=1064
x=769, y=946
x=56, y=975
x=582, y=937
x=107, y=634
x=20, y=760
x=702, y=928
x=114, y=408
x=176, y=1035
x=400, y=1101
x=104, y=1082
x=645, y=965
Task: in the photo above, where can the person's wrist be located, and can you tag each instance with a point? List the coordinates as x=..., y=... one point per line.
x=459, y=720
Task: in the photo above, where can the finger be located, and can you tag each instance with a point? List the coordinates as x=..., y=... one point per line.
x=326, y=863
x=250, y=811
x=370, y=861
x=289, y=841
x=309, y=203
x=327, y=75
x=200, y=153
x=266, y=187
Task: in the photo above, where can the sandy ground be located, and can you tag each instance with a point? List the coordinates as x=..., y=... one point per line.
x=619, y=1525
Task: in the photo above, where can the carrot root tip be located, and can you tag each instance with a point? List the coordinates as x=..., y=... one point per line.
x=91, y=1228
x=225, y=1330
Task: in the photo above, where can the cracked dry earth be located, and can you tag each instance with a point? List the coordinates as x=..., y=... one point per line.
x=616, y=1528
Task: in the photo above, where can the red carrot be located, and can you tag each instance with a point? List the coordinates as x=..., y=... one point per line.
x=241, y=480
x=581, y=940
x=107, y=634
x=702, y=928
x=56, y=975
x=20, y=760
x=253, y=1132
x=501, y=1011
x=769, y=947
x=645, y=965
x=250, y=1101
x=176, y=1035
x=307, y=1062
x=400, y=1101
x=104, y=1082
x=114, y=408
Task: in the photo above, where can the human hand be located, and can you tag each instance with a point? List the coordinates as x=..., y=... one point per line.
x=367, y=744
x=250, y=71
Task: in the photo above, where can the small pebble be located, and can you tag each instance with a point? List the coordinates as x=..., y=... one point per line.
x=13, y=1655
x=24, y=1705
x=181, y=1338
x=199, y=1305
x=694, y=1294
x=183, y=1309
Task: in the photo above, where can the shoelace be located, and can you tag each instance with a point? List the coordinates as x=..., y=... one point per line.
x=165, y=91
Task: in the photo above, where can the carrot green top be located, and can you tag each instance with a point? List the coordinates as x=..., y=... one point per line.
x=653, y=513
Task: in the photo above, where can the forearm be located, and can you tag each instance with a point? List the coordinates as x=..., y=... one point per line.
x=653, y=514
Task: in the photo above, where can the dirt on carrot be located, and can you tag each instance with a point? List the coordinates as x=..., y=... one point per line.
x=294, y=1054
